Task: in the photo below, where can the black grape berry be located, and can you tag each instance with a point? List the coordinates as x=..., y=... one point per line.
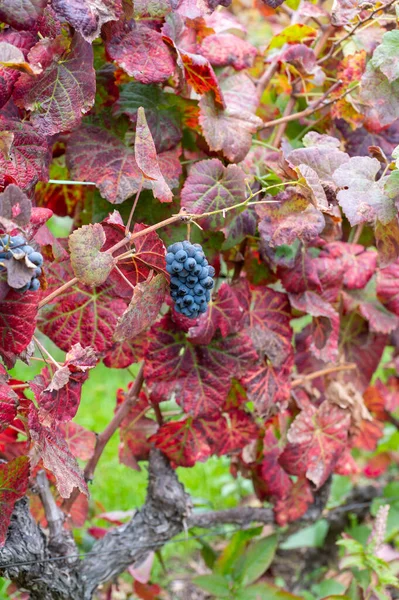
x=16, y=248
x=191, y=278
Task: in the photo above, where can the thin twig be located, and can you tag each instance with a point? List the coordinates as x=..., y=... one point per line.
x=358, y=233
x=308, y=111
x=68, y=182
x=323, y=39
x=322, y=372
x=58, y=291
x=278, y=136
x=265, y=79
x=54, y=515
x=43, y=349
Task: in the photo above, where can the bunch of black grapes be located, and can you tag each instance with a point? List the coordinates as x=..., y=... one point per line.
x=16, y=247
x=191, y=278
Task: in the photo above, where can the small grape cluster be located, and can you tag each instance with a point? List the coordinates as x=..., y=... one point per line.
x=191, y=278
x=17, y=247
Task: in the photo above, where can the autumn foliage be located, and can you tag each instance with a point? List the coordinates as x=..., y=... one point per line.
x=275, y=130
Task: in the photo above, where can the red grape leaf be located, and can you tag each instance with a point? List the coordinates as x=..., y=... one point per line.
x=139, y=50
x=224, y=314
x=363, y=199
x=267, y=385
x=14, y=479
x=292, y=218
x=358, y=263
x=170, y=166
x=316, y=440
x=51, y=448
x=72, y=81
x=368, y=435
x=22, y=14
x=268, y=321
x=377, y=465
x=225, y=49
x=79, y=511
x=231, y=130
x=94, y=154
x=183, y=442
x=374, y=400
x=146, y=591
x=229, y=432
x=303, y=276
x=149, y=256
x=20, y=41
x=199, y=376
x=29, y=155
x=366, y=303
x=389, y=392
x=90, y=265
x=120, y=356
x=81, y=441
x=295, y=504
x=273, y=475
x=88, y=16
x=388, y=287
x=211, y=186
x=17, y=324
x=200, y=75
x=325, y=324
x=147, y=161
x=8, y=405
x=331, y=277
x=58, y=397
x=363, y=347
x=143, y=309
x=346, y=464
x=135, y=431
x=80, y=314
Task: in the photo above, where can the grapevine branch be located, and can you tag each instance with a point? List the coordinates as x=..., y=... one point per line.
x=327, y=371
x=311, y=109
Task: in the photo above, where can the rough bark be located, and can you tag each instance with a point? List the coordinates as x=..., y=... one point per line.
x=162, y=517
x=27, y=548
x=166, y=512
